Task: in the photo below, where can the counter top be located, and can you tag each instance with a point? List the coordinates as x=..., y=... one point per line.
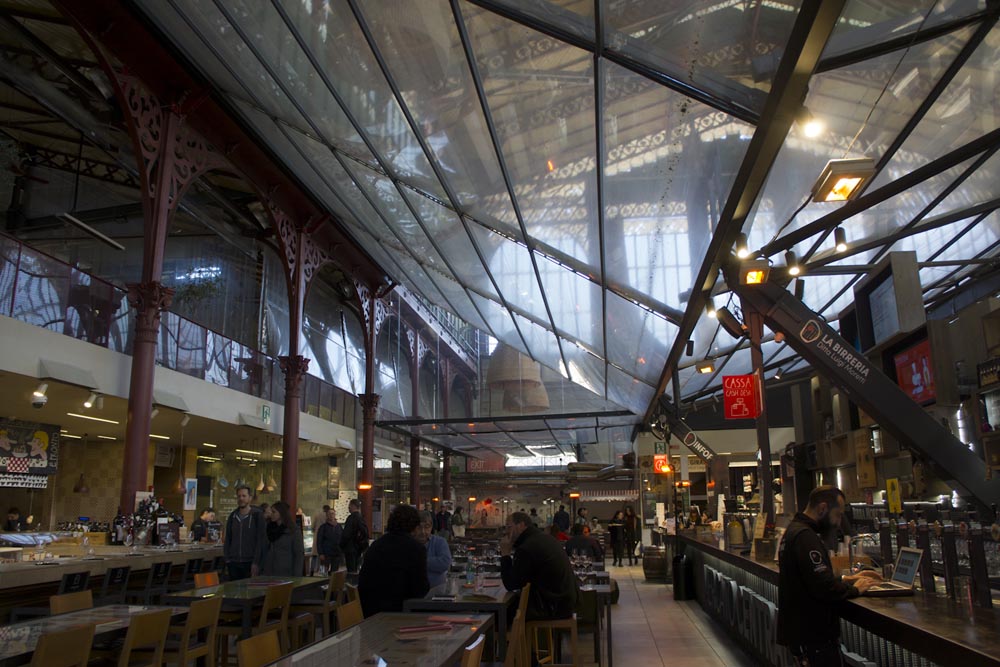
x=31, y=573
x=943, y=630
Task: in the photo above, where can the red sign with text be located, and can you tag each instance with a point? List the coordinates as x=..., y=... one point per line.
x=661, y=463
x=740, y=395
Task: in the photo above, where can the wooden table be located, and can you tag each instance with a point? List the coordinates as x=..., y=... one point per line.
x=493, y=599
x=18, y=641
x=374, y=642
x=244, y=595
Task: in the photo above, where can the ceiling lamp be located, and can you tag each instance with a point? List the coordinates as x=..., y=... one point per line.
x=710, y=307
x=526, y=398
x=706, y=366
x=792, y=262
x=510, y=368
x=89, y=403
x=840, y=239
x=742, y=246
x=754, y=271
x=733, y=326
x=840, y=179
x=811, y=126
x=777, y=374
x=40, y=391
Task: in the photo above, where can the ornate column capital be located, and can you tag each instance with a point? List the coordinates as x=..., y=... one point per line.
x=369, y=406
x=149, y=300
x=295, y=368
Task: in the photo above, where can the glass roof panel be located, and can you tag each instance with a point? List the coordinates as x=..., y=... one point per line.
x=500, y=322
x=863, y=23
x=541, y=97
x=542, y=343
x=983, y=236
x=669, y=162
x=979, y=187
x=575, y=302
x=348, y=62
x=576, y=16
x=584, y=368
x=864, y=107
x=510, y=264
x=729, y=48
x=627, y=391
x=638, y=341
x=424, y=52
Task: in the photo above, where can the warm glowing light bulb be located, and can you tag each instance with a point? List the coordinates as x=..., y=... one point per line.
x=812, y=128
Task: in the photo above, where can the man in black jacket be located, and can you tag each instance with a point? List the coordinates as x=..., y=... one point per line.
x=328, y=538
x=581, y=542
x=809, y=592
x=529, y=556
x=395, y=567
x=354, y=540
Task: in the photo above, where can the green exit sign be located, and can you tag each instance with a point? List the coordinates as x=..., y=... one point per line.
x=659, y=448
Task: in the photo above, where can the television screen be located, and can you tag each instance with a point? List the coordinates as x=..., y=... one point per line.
x=882, y=305
x=914, y=372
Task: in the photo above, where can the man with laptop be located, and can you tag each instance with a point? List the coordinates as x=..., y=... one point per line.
x=808, y=589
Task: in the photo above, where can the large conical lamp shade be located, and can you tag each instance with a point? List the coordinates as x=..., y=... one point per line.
x=508, y=367
x=526, y=398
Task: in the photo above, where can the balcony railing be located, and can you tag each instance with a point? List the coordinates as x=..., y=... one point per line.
x=44, y=291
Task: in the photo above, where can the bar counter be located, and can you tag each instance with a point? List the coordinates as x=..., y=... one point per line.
x=901, y=630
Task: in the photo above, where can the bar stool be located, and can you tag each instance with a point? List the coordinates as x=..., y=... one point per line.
x=115, y=586
x=73, y=582
x=551, y=627
x=191, y=567
x=328, y=604
x=156, y=583
x=67, y=602
x=258, y=651
x=197, y=635
x=68, y=648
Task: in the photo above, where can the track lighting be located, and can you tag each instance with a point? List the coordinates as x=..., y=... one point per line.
x=89, y=403
x=777, y=374
x=710, y=307
x=40, y=391
x=689, y=348
x=152, y=415
x=840, y=239
x=792, y=262
x=185, y=420
x=742, y=246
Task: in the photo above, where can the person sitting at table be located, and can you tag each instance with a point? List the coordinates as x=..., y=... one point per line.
x=283, y=553
x=395, y=565
x=583, y=544
x=438, y=553
x=529, y=556
x=556, y=532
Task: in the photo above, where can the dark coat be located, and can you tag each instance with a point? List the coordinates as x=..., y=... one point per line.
x=355, y=536
x=809, y=592
x=539, y=560
x=328, y=540
x=245, y=540
x=394, y=569
x=283, y=557
x=588, y=546
x=616, y=532
x=561, y=519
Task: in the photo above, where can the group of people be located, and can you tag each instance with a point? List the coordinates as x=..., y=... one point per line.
x=265, y=539
x=623, y=532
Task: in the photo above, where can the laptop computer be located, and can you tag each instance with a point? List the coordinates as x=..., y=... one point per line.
x=904, y=573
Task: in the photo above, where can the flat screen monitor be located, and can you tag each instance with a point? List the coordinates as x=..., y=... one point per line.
x=882, y=306
x=915, y=372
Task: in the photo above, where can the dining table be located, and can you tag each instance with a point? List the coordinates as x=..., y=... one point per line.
x=396, y=639
x=18, y=640
x=245, y=594
x=487, y=595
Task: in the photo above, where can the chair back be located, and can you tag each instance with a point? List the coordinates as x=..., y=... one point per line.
x=74, y=582
x=277, y=600
x=335, y=588
x=349, y=615
x=191, y=566
x=67, y=602
x=352, y=593
x=473, y=653
x=147, y=634
x=258, y=650
x=517, y=644
x=206, y=579
x=115, y=583
x=218, y=564
x=522, y=603
x=67, y=648
x=159, y=573
x=203, y=615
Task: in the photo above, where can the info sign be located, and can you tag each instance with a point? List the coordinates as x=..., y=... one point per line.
x=741, y=396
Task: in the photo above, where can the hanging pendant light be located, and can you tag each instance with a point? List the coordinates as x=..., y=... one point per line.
x=508, y=367
x=179, y=487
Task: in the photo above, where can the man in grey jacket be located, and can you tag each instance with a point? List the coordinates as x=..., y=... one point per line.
x=245, y=538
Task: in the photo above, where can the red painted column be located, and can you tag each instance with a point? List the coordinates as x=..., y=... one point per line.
x=294, y=367
x=369, y=409
x=446, y=476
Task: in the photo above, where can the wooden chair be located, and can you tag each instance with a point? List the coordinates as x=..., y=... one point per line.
x=301, y=628
x=349, y=614
x=68, y=648
x=206, y=579
x=518, y=653
x=327, y=605
x=114, y=586
x=550, y=628
x=259, y=650
x=273, y=616
x=67, y=602
x=145, y=640
x=473, y=653
x=197, y=635
x=352, y=593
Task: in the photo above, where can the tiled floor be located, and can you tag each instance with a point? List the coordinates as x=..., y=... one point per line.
x=651, y=629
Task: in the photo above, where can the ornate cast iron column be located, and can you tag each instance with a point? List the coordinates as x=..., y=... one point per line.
x=294, y=367
x=446, y=476
x=373, y=312
x=171, y=157
x=417, y=350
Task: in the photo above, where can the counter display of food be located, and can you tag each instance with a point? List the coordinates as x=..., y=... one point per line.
x=742, y=595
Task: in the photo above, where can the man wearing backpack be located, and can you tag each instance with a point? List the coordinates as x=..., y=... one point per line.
x=354, y=541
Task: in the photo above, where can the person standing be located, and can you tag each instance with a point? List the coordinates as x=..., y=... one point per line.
x=14, y=522
x=561, y=519
x=458, y=523
x=395, y=567
x=283, y=553
x=199, y=527
x=808, y=589
x=442, y=522
x=354, y=541
x=529, y=556
x=245, y=537
x=535, y=519
x=631, y=533
x=328, y=537
x=581, y=516
x=616, y=533
x=438, y=553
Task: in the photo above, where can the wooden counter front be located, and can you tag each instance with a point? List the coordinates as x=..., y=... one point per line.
x=934, y=626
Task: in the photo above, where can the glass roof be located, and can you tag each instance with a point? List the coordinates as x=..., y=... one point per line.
x=555, y=175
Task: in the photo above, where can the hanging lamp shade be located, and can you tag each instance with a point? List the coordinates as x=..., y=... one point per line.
x=526, y=398
x=81, y=486
x=508, y=367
